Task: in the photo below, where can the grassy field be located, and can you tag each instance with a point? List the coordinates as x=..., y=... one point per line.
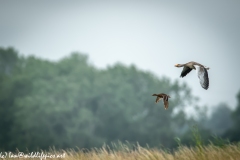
x=217, y=149
x=124, y=152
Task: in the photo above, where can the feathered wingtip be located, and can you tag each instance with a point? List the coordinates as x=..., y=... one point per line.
x=207, y=68
x=165, y=107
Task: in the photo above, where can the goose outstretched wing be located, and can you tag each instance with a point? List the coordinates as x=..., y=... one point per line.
x=203, y=77
x=185, y=71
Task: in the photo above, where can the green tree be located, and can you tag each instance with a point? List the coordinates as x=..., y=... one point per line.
x=220, y=120
x=233, y=133
x=8, y=66
x=71, y=103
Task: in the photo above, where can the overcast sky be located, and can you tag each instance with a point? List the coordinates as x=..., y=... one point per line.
x=153, y=35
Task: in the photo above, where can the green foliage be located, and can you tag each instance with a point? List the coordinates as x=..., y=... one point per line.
x=233, y=133
x=236, y=113
x=8, y=60
x=197, y=137
x=178, y=140
x=220, y=120
x=219, y=142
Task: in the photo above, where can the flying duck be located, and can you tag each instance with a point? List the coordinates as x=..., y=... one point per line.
x=201, y=72
x=164, y=97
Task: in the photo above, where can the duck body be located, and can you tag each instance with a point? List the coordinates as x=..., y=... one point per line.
x=164, y=97
x=200, y=69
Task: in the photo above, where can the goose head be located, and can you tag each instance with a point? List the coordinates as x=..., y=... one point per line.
x=176, y=65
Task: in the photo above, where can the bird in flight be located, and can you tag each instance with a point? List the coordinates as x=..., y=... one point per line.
x=164, y=97
x=200, y=69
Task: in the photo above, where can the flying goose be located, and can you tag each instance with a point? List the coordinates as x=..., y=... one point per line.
x=164, y=97
x=201, y=72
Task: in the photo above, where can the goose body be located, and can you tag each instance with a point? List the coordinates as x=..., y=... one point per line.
x=200, y=69
x=164, y=97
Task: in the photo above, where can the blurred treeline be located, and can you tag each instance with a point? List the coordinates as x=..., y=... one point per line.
x=71, y=103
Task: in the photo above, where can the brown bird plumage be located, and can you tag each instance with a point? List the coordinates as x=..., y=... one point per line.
x=164, y=97
x=201, y=72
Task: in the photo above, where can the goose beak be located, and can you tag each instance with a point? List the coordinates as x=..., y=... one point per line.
x=176, y=65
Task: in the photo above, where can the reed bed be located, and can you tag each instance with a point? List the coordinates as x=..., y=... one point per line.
x=124, y=152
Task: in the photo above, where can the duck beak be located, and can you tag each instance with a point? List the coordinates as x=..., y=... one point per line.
x=176, y=65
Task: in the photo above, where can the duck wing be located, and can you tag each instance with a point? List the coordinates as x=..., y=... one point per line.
x=203, y=77
x=158, y=99
x=185, y=71
x=165, y=101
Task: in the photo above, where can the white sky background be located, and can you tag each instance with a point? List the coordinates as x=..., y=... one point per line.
x=153, y=35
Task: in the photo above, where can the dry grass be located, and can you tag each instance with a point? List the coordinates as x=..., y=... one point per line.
x=124, y=152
